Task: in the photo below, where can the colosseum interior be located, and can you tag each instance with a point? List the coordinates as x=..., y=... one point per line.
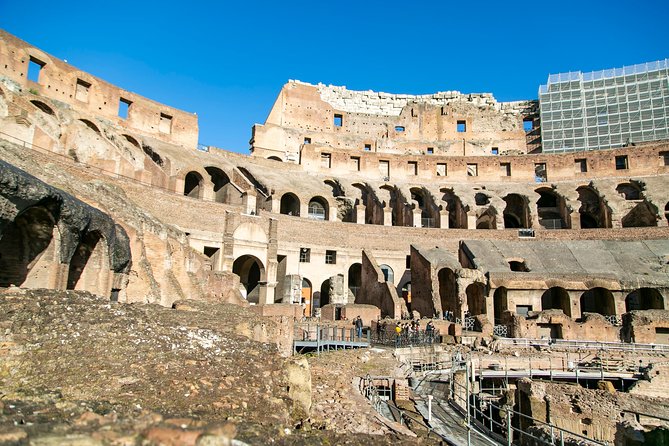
x=544, y=275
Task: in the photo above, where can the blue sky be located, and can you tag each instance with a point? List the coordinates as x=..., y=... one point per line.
x=227, y=61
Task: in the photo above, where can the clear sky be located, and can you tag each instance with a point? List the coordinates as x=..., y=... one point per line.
x=227, y=61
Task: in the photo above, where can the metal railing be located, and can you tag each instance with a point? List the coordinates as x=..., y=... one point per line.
x=585, y=345
x=406, y=339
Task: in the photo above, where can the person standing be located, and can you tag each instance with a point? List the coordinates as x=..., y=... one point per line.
x=358, y=326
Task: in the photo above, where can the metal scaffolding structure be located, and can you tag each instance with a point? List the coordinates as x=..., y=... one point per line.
x=605, y=109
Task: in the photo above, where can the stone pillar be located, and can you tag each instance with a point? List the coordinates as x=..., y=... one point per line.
x=276, y=204
x=360, y=214
x=575, y=301
x=249, y=202
x=207, y=193
x=387, y=216
x=471, y=220
x=304, y=209
x=619, y=302
x=575, y=218
x=443, y=218
x=417, y=214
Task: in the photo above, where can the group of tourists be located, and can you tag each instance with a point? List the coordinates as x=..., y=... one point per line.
x=405, y=332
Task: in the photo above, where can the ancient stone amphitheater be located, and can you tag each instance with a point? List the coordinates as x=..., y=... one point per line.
x=381, y=205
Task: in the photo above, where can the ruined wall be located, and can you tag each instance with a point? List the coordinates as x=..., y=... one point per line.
x=88, y=94
x=647, y=326
x=376, y=291
x=446, y=122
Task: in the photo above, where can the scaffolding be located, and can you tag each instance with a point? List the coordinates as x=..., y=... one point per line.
x=605, y=109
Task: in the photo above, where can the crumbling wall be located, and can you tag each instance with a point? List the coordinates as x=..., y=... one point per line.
x=646, y=326
x=376, y=291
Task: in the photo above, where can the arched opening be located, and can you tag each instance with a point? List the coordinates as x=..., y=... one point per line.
x=155, y=156
x=337, y=189
x=475, y=299
x=401, y=214
x=87, y=263
x=388, y=273
x=429, y=215
x=598, y=300
x=457, y=214
x=556, y=298
x=594, y=213
x=24, y=241
x=629, y=191
x=518, y=265
x=290, y=204
x=551, y=209
x=641, y=215
x=500, y=304
x=221, y=182
x=43, y=107
x=644, y=299
x=275, y=158
x=373, y=207
x=448, y=293
x=487, y=220
x=318, y=208
x=355, y=278
x=250, y=271
x=516, y=212
x=193, y=185
x=132, y=141
x=666, y=212
x=307, y=299
x=325, y=292
x=90, y=125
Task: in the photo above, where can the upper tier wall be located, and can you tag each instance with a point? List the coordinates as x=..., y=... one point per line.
x=58, y=80
x=443, y=123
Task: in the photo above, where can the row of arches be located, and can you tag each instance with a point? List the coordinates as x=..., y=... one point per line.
x=318, y=208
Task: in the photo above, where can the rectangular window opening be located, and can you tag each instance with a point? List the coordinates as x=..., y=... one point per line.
x=34, y=69
x=621, y=162
x=523, y=310
x=368, y=147
x=123, y=108
x=305, y=255
x=165, y=123
x=528, y=124
x=384, y=169
x=495, y=151
x=399, y=128
x=441, y=169
x=355, y=163
x=81, y=90
x=461, y=126
x=472, y=170
x=664, y=156
x=413, y=168
x=326, y=160
x=338, y=120
x=408, y=262
x=307, y=140
x=540, y=173
x=581, y=165
x=430, y=150
x=330, y=257
x=505, y=169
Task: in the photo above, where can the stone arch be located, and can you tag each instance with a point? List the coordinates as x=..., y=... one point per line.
x=250, y=232
x=290, y=204
x=401, y=214
x=641, y=215
x=318, y=208
x=644, y=299
x=487, y=219
x=24, y=242
x=308, y=297
x=91, y=125
x=476, y=299
x=251, y=272
x=556, y=298
x=355, y=278
x=43, y=107
x=325, y=292
x=388, y=273
x=221, y=182
x=517, y=212
x=337, y=189
x=429, y=211
x=500, y=304
x=193, y=185
x=552, y=209
x=457, y=214
x=593, y=211
x=598, y=300
x=373, y=207
x=275, y=158
x=630, y=191
x=448, y=292
x=132, y=140
x=89, y=265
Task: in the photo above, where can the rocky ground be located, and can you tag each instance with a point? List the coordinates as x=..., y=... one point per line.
x=79, y=370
